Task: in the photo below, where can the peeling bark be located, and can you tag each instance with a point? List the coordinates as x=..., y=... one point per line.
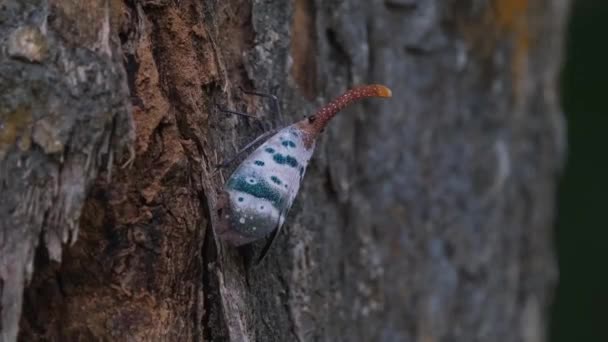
x=427, y=217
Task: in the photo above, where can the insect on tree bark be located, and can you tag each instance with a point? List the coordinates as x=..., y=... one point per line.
x=424, y=218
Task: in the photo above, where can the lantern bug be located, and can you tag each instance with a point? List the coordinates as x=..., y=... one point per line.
x=259, y=193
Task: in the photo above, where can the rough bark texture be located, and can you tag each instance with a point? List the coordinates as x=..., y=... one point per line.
x=63, y=115
x=423, y=218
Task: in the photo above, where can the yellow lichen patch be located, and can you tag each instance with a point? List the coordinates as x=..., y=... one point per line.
x=118, y=14
x=519, y=62
x=28, y=43
x=504, y=21
x=510, y=13
x=303, y=52
x=25, y=141
x=12, y=126
x=512, y=18
x=47, y=136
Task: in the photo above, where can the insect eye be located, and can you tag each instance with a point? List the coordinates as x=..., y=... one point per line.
x=311, y=119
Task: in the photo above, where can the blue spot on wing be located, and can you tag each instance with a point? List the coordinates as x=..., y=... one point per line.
x=259, y=163
x=288, y=143
x=289, y=160
x=279, y=158
x=269, y=149
x=276, y=180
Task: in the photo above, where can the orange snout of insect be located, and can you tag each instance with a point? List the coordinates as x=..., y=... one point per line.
x=382, y=91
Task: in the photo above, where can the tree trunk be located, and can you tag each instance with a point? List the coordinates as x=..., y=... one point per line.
x=425, y=217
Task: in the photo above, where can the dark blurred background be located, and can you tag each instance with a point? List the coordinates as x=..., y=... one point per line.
x=580, y=312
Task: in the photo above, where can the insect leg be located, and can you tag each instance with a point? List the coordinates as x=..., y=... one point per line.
x=274, y=235
x=269, y=244
x=223, y=110
x=274, y=98
x=277, y=108
x=262, y=136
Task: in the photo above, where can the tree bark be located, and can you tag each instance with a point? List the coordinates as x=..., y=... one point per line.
x=426, y=217
x=64, y=115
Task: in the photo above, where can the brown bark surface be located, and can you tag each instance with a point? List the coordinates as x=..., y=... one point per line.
x=423, y=218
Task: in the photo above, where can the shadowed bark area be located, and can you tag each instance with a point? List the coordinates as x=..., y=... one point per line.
x=426, y=217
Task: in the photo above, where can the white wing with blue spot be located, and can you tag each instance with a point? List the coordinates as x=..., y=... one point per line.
x=266, y=183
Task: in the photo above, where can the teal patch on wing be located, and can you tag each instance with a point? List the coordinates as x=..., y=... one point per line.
x=289, y=160
x=276, y=180
x=288, y=143
x=279, y=159
x=259, y=189
x=259, y=163
x=269, y=150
